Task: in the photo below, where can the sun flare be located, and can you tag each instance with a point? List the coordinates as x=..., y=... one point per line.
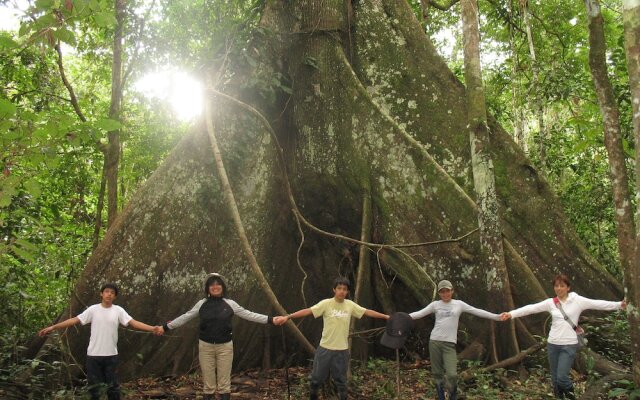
x=177, y=88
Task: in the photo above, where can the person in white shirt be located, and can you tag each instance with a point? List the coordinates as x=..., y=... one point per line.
x=102, y=353
x=444, y=336
x=562, y=343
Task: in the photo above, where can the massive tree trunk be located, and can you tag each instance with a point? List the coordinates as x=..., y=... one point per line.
x=389, y=123
x=631, y=17
x=492, y=251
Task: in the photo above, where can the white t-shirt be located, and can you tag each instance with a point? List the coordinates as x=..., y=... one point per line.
x=104, y=328
x=447, y=317
x=561, y=332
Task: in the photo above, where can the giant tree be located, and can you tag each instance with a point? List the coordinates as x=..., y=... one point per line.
x=328, y=105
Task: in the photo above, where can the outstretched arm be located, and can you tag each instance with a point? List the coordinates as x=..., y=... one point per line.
x=60, y=325
x=298, y=314
x=142, y=326
x=375, y=314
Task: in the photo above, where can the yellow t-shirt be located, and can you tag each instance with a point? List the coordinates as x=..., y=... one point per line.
x=336, y=318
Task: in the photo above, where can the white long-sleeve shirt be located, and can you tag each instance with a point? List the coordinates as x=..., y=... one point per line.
x=561, y=332
x=448, y=316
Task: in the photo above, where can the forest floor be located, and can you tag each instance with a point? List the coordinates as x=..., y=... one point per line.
x=374, y=381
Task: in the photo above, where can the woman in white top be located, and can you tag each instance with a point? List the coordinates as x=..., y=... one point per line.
x=444, y=336
x=562, y=343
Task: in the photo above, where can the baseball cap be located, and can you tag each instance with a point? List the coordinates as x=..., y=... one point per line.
x=444, y=285
x=397, y=330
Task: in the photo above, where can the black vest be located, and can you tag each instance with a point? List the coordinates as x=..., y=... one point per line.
x=215, y=321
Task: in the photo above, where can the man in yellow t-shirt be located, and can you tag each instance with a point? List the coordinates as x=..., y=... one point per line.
x=333, y=353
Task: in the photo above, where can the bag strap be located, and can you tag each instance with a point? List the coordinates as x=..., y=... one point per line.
x=556, y=301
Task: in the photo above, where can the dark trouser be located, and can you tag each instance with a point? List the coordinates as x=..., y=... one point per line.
x=101, y=371
x=325, y=361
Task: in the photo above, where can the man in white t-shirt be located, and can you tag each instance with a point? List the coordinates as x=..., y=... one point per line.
x=102, y=354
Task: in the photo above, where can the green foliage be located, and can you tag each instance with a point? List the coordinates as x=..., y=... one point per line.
x=576, y=162
x=624, y=389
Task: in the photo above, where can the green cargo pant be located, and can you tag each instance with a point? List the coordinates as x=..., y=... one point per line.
x=444, y=365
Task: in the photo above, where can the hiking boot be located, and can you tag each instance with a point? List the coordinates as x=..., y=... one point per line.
x=453, y=393
x=440, y=391
x=313, y=392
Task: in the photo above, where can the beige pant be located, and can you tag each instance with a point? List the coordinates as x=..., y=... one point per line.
x=215, y=363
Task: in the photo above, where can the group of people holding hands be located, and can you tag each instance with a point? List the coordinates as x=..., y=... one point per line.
x=215, y=312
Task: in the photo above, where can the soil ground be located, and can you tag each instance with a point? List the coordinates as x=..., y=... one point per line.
x=374, y=381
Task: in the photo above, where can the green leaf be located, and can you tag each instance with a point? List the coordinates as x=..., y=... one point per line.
x=94, y=5
x=42, y=133
x=105, y=19
x=66, y=36
x=10, y=181
x=25, y=28
x=44, y=4
x=52, y=160
x=33, y=188
x=24, y=243
x=46, y=21
x=7, y=42
x=108, y=124
x=7, y=108
x=24, y=254
x=6, y=196
x=5, y=125
x=617, y=392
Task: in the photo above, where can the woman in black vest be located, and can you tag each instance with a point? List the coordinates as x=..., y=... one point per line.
x=215, y=345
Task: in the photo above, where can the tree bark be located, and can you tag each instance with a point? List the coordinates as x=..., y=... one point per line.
x=97, y=227
x=518, y=115
x=239, y=226
x=112, y=152
x=363, y=289
x=483, y=177
x=631, y=18
x=612, y=135
x=535, y=68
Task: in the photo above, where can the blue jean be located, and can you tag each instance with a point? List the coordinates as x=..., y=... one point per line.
x=101, y=371
x=334, y=361
x=560, y=361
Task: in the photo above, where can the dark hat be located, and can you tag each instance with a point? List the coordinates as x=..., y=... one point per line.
x=398, y=328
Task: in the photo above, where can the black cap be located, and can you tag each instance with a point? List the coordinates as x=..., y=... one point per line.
x=398, y=328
